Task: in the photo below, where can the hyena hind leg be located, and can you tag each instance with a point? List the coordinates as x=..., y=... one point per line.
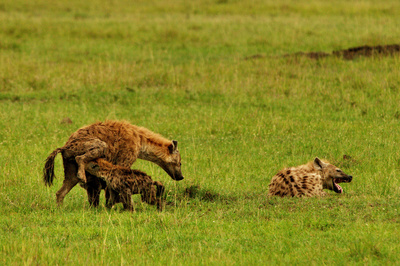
x=70, y=180
x=94, y=149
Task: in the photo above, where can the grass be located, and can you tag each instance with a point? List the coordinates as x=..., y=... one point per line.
x=210, y=74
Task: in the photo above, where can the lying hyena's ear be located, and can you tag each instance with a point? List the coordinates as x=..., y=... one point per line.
x=318, y=164
x=172, y=147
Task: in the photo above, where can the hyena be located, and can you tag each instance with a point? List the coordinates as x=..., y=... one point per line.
x=127, y=182
x=308, y=180
x=120, y=143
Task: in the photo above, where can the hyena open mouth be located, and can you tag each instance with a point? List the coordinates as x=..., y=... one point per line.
x=336, y=187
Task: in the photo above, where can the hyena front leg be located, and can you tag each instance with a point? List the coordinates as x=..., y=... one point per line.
x=93, y=188
x=93, y=149
x=112, y=197
x=159, y=194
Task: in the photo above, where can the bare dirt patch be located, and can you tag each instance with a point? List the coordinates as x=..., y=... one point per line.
x=368, y=51
x=355, y=52
x=348, y=54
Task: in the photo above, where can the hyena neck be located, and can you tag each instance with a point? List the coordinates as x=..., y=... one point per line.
x=323, y=179
x=154, y=149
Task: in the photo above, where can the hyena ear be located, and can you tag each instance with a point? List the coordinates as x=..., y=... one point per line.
x=172, y=147
x=318, y=164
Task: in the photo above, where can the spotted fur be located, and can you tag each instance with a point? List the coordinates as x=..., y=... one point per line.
x=127, y=182
x=120, y=143
x=308, y=180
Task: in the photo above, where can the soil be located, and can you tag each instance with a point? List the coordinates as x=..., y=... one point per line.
x=360, y=51
x=348, y=54
x=368, y=51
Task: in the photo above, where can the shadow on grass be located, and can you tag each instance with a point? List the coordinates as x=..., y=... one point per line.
x=195, y=192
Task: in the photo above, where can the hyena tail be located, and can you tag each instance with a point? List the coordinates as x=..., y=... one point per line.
x=48, y=170
x=159, y=194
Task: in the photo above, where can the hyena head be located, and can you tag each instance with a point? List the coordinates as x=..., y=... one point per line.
x=93, y=168
x=332, y=175
x=172, y=163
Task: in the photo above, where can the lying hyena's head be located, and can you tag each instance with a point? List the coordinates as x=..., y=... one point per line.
x=172, y=163
x=331, y=175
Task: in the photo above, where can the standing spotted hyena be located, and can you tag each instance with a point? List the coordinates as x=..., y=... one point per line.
x=308, y=180
x=120, y=143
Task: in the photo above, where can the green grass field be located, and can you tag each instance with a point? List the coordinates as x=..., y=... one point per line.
x=211, y=74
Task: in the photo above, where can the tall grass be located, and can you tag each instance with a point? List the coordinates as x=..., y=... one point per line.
x=215, y=76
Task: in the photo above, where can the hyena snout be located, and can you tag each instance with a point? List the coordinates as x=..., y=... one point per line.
x=177, y=175
x=344, y=179
x=173, y=170
x=173, y=164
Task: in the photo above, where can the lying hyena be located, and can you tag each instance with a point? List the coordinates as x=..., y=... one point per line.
x=127, y=182
x=119, y=143
x=308, y=180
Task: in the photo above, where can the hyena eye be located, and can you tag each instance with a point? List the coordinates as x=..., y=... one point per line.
x=338, y=170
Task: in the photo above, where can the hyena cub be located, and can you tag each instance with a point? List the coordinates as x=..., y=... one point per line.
x=127, y=182
x=308, y=180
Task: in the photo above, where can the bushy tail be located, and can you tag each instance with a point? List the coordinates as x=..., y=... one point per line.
x=48, y=170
